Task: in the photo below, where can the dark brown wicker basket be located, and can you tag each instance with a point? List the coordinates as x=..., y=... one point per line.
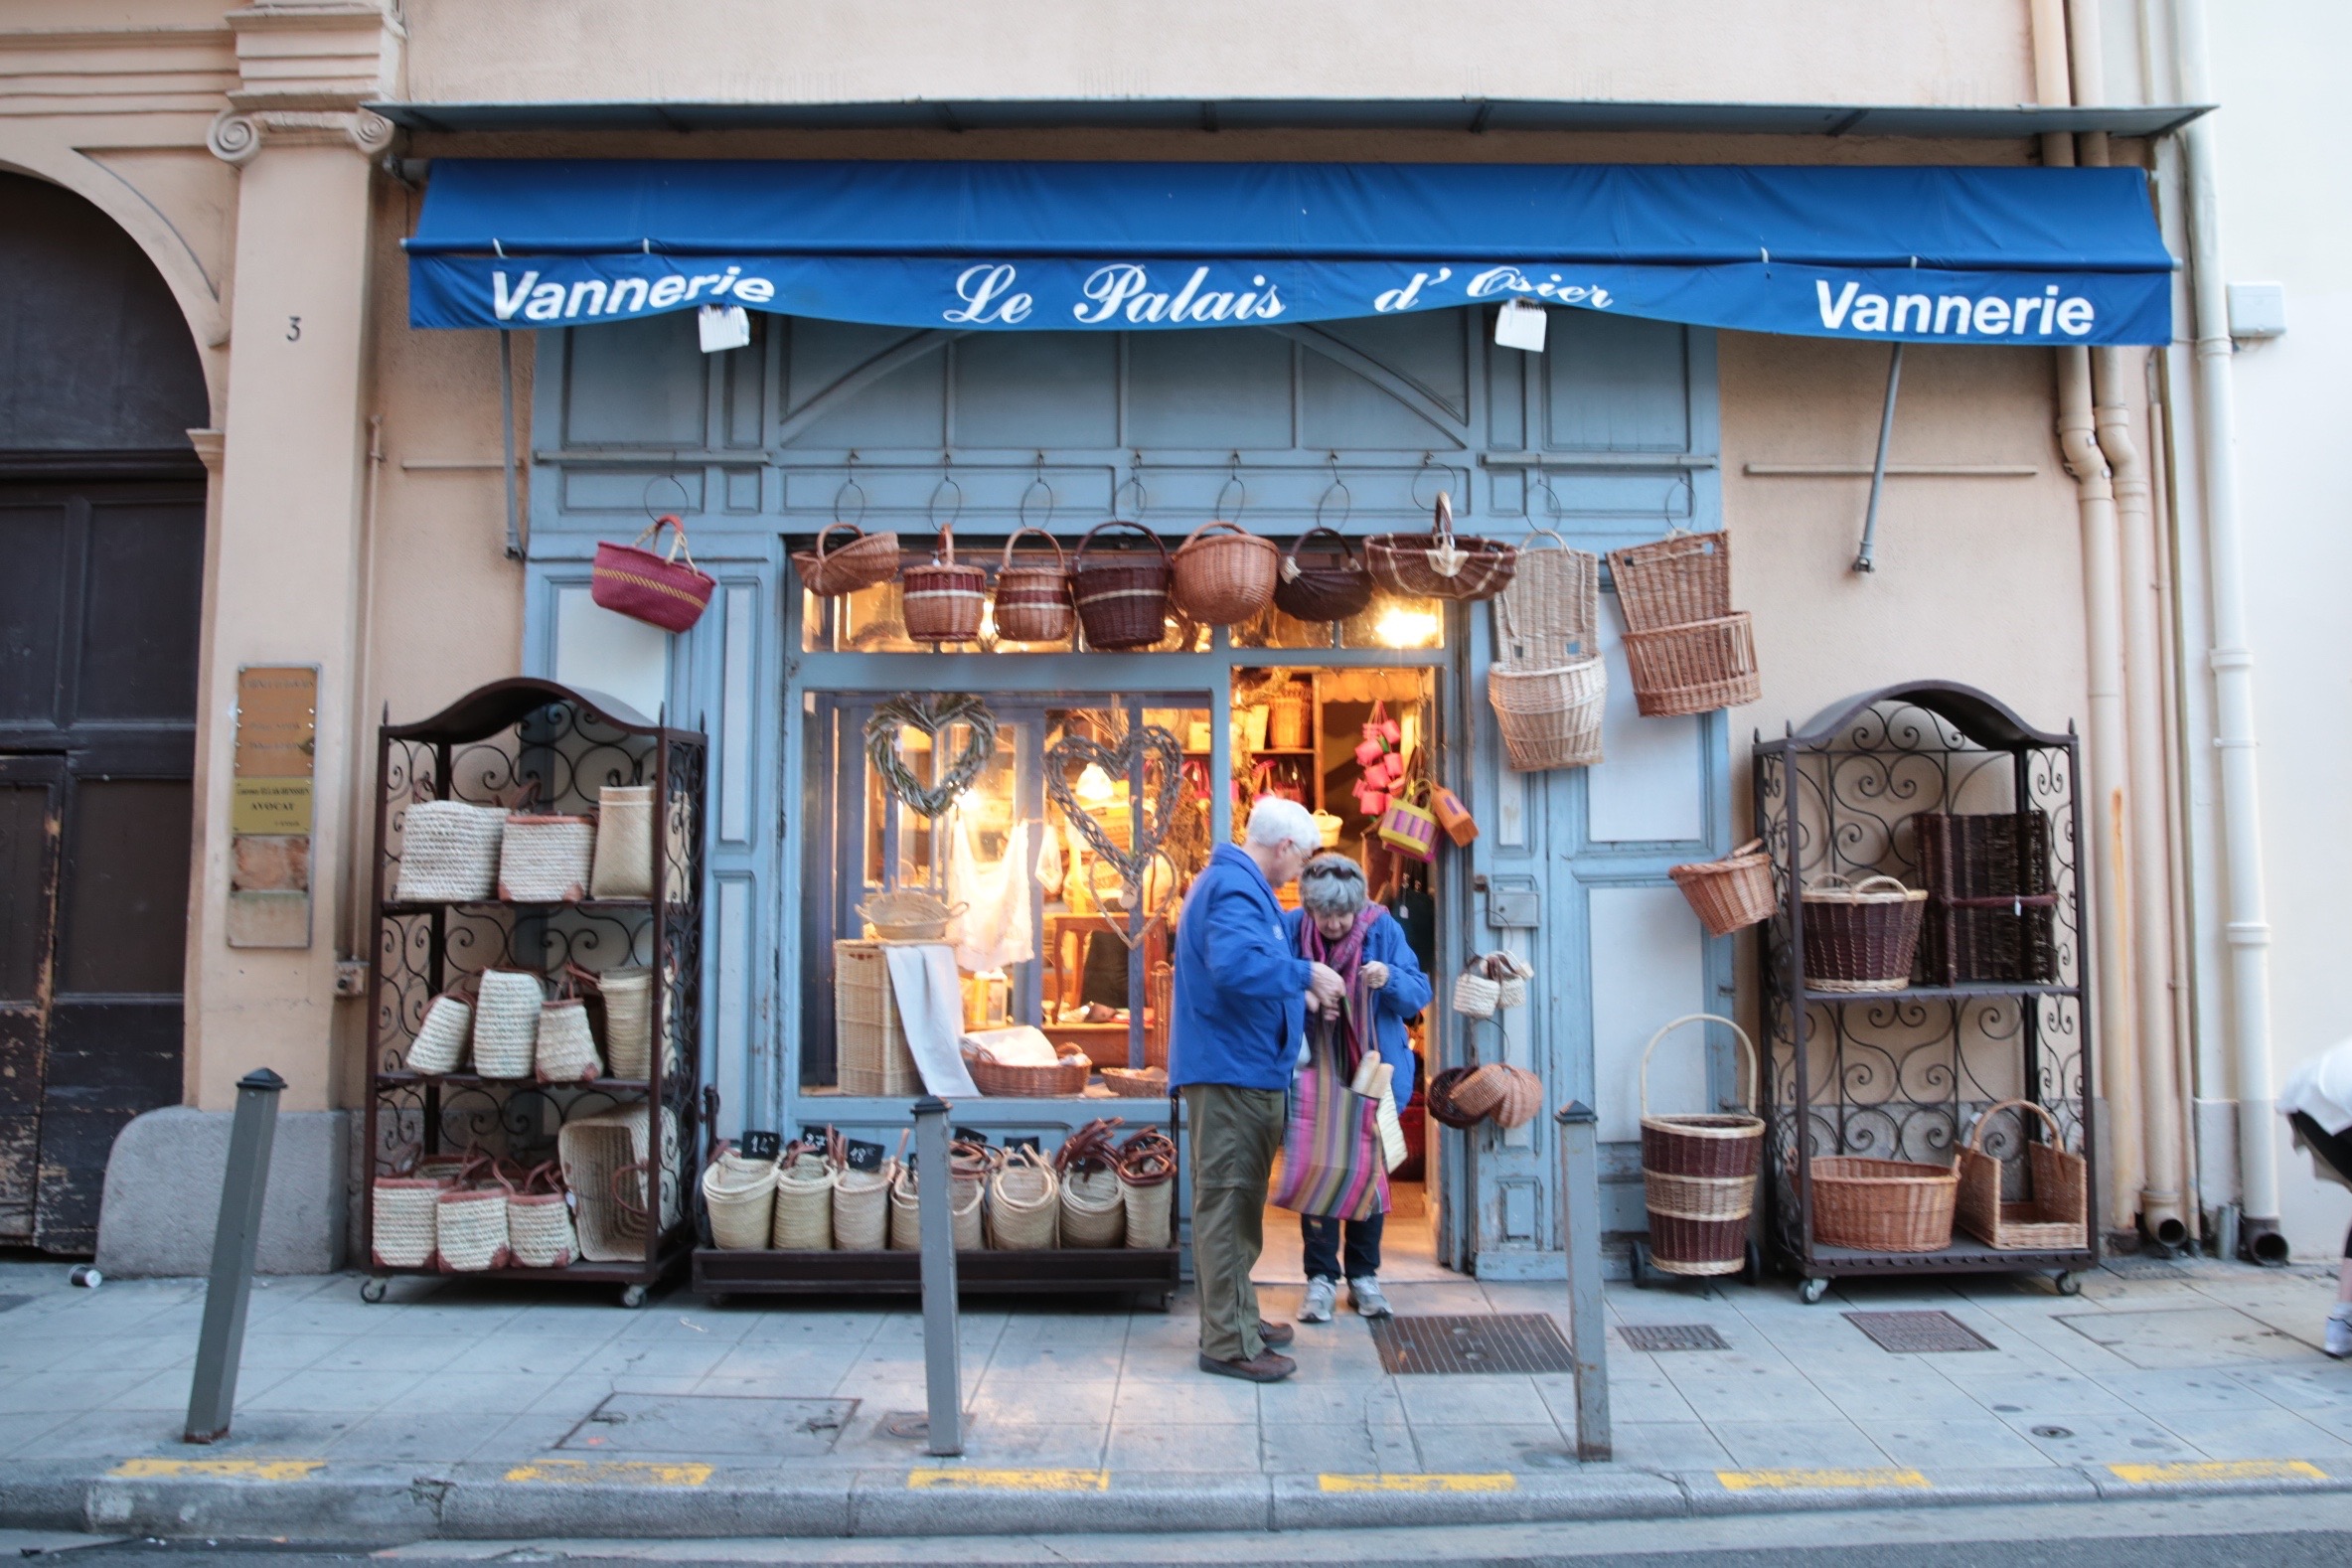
x=1324, y=586
x=1860, y=938
x=1991, y=910
x=1440, y=565
x=1122, y=597
x=1697, y=1246
x=1438, y=1097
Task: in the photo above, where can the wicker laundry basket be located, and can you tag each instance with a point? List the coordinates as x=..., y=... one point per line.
x=871, y=1055
x=1883, y=1205
x=1861, y=936
x=1694, y=668
x=1699, y=1172
x=2053, y=1218
x=1221, y=577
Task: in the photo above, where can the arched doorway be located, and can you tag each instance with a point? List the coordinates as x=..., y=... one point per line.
x=101, y=572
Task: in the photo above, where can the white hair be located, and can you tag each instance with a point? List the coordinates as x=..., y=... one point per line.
x=1275, y=822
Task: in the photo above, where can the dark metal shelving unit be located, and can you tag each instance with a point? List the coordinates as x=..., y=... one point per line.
x=571, y=744
x=1904, y=1075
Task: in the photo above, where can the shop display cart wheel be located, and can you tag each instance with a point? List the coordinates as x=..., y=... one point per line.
x=2069, y=1282
x=1812, y=1291
x=372, y=1290
x=633, y=1295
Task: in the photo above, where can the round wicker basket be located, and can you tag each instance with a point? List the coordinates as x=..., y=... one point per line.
x=1883, y=1205
x=1223, y=577
x=1729, y=895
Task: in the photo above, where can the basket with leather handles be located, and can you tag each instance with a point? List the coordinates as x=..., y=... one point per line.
x=739, y=1199
x=2053, y=1215
x=805, y=1178
x=634, y=582
x=1025, y=1204
x=1122, y=595
x=944, y=602
x=448, y=849
x=1147, y=1167
x=1034, y=601
x=1223, y=575
x=1440, y=565
x=538, y=1221
x=1699, y=1172
x=1324, y=585
x=1729, y=895
x=1093, y=1208
x=868, y=560
x=1861, y=936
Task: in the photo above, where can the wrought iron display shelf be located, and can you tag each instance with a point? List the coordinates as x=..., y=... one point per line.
x=486, y=748
x=1903, y=1074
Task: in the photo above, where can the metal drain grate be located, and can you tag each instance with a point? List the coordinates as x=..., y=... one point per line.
x=1497, y=1343
x=1918, y=1332
x=2145, y=1269
x=1670, y=1337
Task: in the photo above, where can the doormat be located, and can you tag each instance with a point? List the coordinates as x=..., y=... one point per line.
x=1490, y=1342
x=700, y=1425
x=1918, y=1332
x=1670, y=1337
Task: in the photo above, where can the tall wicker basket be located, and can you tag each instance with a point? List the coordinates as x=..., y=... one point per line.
x=871, y=1055
x=1673, y=581
x=1548, y=685
x=1698, y=1173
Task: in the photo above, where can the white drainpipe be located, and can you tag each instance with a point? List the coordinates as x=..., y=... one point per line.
x=2248, y=929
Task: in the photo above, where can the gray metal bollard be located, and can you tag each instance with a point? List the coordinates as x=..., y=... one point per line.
x=1588, y=1325
x=943, y=1362
x=235, y=1239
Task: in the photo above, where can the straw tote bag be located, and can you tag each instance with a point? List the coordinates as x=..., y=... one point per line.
x=470, y=1222
x=1146, y=1186
x=442, y=1038
x=538, y=1221
x=862, y=1208
x=656, y=589
x=805, y=1180
x=565, y=1049
x=628, y=1021
x=506, y=1022
x=1024, y=1203
x=545, y=858
x=403, y=1232
x=739, y=1196
x=624, y=865
x=450, y=851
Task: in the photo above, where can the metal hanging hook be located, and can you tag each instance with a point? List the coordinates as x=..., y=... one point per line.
x=685, y=497
x=1038, y=483
x=1233, y=481
x=849, y=483
x=1134, y=481
x=947, y=482
x=1428, y=469
x=1347, y=497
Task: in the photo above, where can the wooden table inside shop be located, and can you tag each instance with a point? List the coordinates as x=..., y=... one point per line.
x=1104, y=1044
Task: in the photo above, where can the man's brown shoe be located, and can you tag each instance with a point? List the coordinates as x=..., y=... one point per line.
x=1277, y=1334
x=1264, y=1368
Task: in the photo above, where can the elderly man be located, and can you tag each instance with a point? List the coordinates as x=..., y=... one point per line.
x=1237, y=1024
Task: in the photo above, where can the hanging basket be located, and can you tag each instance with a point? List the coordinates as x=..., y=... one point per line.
x=1673, y=581
x=867, y=560
x=1439, y=1098
x=1694, y=668
x=1440, y=564
x=450, y=851
x=1408, y=826
x=1034, y=602
x=1122, y=597
x=1222, y=576
x=1325, y=587
x=2053, y=1220
x=1861, y=937
x=1549, y=717
x=1730, y=894
x=944, y=602
x=634, y=582
x=1883, y=1205
x=1549, y=613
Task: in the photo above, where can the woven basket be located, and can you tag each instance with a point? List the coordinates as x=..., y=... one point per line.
x=1222, y=576
x=1678, y=671
x=739, y=1196
x=1478, y=1095
x=1699, y=1247
x=867, y=559
x=1549, y=717
x=1712, y=1146
x=861, y=1209
x=1122, y=599
x=1137, y=1083
x=507, y=1006
x=1729, y=895
x=805, y=1180
x=1334, y=587
x=1093, y=1209
x=607, y=1159
x=2054, y=1218
x=1550, y=613
x=545, y=859
x=870, y=1050
x=1883, y=1205
x=1522, y=1098
x=1438, y=1097
x=538, y=1222
x=1287, y=708
x=1440, y=565
x=1990, y=912
x=442, y=1038
x=1857, y=938
x=1024, y=1203
x=1475, y=995
x=624, y=865
x=1034, y=602
x=908, y=915
x=628, y=1021
x=449, y=850
x=944, y=602
x=470, y=1229
x=404, y=1230
x=906, y=1213
x=566, y=1049
x=1067, y=1076
x=1673, y=581
x=1698, y=1198
x=1147, y=1187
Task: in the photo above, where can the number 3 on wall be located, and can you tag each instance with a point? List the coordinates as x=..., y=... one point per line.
x=293, y=329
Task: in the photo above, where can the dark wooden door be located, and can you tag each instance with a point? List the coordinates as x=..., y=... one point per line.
x=101, y=587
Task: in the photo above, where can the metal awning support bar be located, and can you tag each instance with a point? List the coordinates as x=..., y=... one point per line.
x=506, y=431
x=1864, y=562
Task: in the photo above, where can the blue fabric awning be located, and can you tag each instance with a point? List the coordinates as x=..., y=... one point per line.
x=1922, y=254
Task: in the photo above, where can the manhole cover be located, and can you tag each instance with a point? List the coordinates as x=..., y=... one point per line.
x=1495, y=1343
x=1670, y=1337
x=1918, y=1332
x=706, y=1424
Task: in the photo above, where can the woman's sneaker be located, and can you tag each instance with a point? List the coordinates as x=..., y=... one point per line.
x=1364, y=1296
x=2339, y=1333
x=1321, y=1294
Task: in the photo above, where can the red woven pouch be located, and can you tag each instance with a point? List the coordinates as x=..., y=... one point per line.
x=652, y=589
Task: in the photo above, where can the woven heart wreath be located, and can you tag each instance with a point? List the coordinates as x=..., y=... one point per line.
x=934, y=715
x=1145, y=742
x=1121, y=921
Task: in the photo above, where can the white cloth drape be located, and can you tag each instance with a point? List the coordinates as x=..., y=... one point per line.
x=997, y=927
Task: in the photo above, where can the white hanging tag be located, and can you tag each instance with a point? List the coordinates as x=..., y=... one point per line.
x=1519, y=325
x=724, y=327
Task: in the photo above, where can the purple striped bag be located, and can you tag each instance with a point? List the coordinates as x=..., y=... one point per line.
x=1332, y=1160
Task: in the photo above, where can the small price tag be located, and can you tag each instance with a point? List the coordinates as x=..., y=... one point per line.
x=966, y=1135
x=1027, y=1140
x=865, y=1156
x=763, y=1146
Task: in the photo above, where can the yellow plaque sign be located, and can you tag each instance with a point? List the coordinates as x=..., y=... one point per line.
x=277, y=709
x=269, y=806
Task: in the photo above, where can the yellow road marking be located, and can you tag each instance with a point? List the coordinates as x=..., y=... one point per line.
x=1820, y=1479
x=2218, y=1470
x=249, y=1468
x=624, y=1471
x=1494, y=1482
x=1008, y=1479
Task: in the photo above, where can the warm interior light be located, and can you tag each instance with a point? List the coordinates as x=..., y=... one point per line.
x=1094, y=785
x=1399, y=627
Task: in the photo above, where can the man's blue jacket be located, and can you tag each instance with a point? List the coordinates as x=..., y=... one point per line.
x=1240, y=1011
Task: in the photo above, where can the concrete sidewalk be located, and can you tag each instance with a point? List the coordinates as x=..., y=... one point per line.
x=463, y=1408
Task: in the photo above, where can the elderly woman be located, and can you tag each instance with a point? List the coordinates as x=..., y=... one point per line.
x=1338, y=925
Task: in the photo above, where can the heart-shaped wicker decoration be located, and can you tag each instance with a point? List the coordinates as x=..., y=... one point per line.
x=1122, y=925
x=934, y=714
x=1145, y=742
